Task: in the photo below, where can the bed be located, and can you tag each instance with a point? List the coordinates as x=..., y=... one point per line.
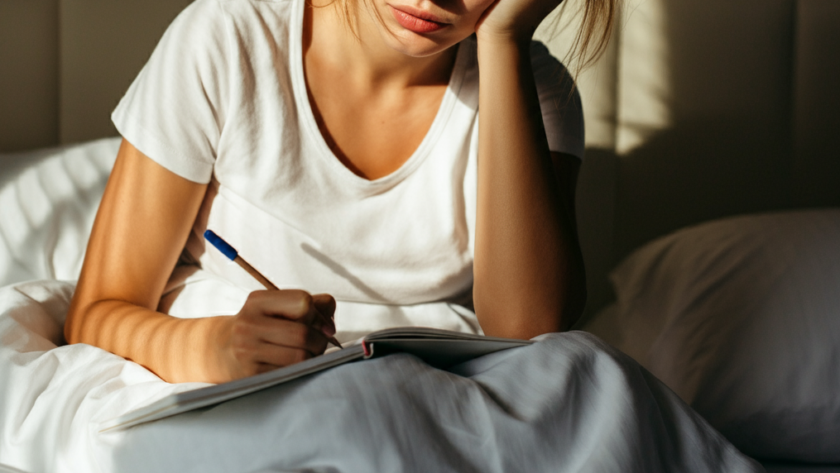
x=707, y=212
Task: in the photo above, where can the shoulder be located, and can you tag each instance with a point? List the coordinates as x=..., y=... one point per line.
x=552, y=78
x=219, y=33
x=201, y=13
x=540, y=51
x=201, y=25
x=214, y=8
x=217, y=17
x=548, y=68
x=560, y=102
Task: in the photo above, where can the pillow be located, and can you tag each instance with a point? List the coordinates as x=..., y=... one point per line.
x=741, y=318
x=48, y=200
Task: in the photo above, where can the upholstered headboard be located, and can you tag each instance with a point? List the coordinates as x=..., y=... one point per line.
x=699, y=109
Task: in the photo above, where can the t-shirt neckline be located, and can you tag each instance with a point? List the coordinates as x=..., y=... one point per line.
x=307, y=117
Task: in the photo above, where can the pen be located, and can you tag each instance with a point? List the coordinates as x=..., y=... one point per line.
x=233, y=255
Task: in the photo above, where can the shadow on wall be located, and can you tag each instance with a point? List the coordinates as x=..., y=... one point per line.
x=727, y=95
x=690, y=173
x=697, y=171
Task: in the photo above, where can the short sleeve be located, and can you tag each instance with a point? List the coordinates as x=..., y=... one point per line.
x=174, y=111
x=559, y=102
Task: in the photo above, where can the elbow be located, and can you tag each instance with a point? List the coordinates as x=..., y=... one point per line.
x=538, y=299
x=525, y=315
x=70, y=324
x=526, y=319
x=74, y=321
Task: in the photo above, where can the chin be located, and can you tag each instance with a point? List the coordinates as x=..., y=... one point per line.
x=416, y=45
x=419, y=48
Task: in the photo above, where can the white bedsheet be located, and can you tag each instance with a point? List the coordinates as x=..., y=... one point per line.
x=568, y=403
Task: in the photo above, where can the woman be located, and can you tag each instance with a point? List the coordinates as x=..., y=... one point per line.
x=345, y=149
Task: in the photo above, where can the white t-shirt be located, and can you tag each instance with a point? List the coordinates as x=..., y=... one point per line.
x=223, y=100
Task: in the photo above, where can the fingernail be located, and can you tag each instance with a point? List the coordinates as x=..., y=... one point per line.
x=328, y=330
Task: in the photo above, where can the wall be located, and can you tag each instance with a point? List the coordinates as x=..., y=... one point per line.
x=64, y=64
x=705, y=109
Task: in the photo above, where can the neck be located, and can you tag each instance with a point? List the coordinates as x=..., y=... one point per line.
x=361, y=53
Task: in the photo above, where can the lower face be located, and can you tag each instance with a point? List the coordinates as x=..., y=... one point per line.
x=422, y=28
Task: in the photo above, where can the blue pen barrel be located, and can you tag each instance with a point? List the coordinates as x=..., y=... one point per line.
x=220, y=244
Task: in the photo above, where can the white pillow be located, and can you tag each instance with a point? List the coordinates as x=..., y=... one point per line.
x=741, y=318
x=48, y=200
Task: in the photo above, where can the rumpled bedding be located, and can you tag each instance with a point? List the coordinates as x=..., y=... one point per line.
x=567, y=403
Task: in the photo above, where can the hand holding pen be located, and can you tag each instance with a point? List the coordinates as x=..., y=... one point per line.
x=233, y=255
x=275, y=327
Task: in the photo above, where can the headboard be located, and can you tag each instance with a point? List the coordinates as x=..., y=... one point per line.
x=699, y=109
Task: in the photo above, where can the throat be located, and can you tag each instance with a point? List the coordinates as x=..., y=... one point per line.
x=373, y=140
x=373, y=122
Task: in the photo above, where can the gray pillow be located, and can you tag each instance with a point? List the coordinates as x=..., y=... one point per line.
x=741, y=318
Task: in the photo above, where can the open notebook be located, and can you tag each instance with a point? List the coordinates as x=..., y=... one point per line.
x=439, y=348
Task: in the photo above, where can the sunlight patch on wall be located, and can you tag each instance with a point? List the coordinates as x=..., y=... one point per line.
x=596, y=84
x=644, y=95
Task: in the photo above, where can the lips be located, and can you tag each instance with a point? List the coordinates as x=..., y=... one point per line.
x=417, y=21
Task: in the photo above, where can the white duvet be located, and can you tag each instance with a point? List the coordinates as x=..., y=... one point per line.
x=568, y=403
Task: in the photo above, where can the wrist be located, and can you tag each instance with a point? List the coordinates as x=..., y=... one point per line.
x=503, y=39
x=502, y=47
x=499, y=56
x=213, y=338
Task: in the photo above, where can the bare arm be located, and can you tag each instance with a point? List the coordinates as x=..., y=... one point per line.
x=141, y=227
x=529, y=276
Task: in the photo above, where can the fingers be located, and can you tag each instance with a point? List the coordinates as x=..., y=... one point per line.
x=272, y=341
x=325, y=305
x=255, y=330
x=290, y=304
x=278, y=328
x=288, y=334
x=297, y=305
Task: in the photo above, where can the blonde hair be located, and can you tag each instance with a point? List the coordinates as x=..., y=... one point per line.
x=596, y=26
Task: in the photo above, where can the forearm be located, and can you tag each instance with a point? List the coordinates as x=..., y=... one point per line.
x=528, y=270
x=177, y=350
x=141, y=227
